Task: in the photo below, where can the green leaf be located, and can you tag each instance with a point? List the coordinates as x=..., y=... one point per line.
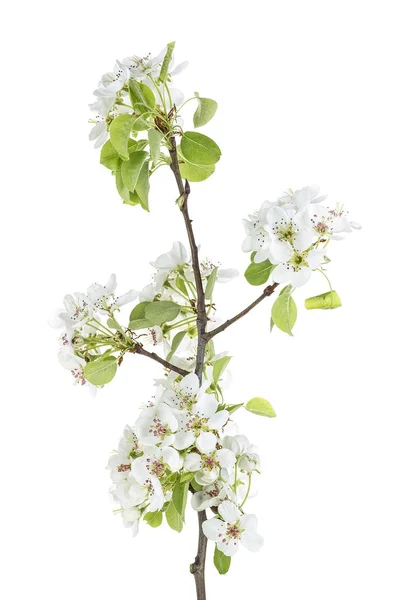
x=143, y=186
x=221, y=561
x=324, y=301
x=178, y=338
x=231, y=408
x=161, y=311
x=179, y=498
x=219, y=367
x=173, y=518
x=209, y=350
x=260, y=406
x=209, y=288
x=155, y=138
x=131, y=169
x=154, y=519
x=199, y=149
x=181, y=285
x=120, y=130
x=137, y=324
x=101, y=371
x=138, y=312
x=196, y=486
x=206, y=109
x=140, y=123
x=284, y=313
x=166, y=62
x=259, y=273
x=194, y=173
x=122, y=189
x=141, y=96
x=109, y=156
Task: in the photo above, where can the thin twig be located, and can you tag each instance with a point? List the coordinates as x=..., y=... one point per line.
x=138, y=349
x=198, y=566
x=268, y=291
x=201, y=311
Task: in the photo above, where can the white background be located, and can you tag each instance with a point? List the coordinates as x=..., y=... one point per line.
x=308, y=92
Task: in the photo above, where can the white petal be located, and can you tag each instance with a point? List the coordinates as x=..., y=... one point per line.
x=252, y=541
x=128, y=297
x=206, y=406
x=212, y=528
x=299, y=278
x=183, y=439
x=190, y=385
x=229, y=548
x=226, y=458
x=280, y=251
x=192, y=462
x=97, y=130
x=218, y=420
x=172, y=458
x=229, y=511
x=281, y=273
x=206, y=442
x=303, y=240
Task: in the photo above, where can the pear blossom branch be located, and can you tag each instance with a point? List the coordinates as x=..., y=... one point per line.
x=268, y=291
x=202, y=318
x=138, y=349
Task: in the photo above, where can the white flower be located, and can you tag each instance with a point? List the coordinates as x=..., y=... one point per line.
x=75, y=364
x=103, y=299
x=246, y=453
x=120, y=462
x=203, y=420
x=170, y=261
x=211, y=495
x=154, y=462
x=113, y=82
x=296, y=267
x=298, y=200
x=77, y=309
x=156, y=424
x=257, y=236
x=131, y=517
x=211, y=461
x=233, y=528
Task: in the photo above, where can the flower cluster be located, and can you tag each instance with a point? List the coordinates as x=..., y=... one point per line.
x=84, y=332
x=293, y=233
x=91, y=332
x=178, y=443
x=113, y=94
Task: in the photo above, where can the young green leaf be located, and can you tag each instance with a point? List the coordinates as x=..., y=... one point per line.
x=195, y=173
x=166, y=62
x=155, y=138
x=219, y=367
x=122, y=189
x=284, y=313
x=161, y=311
x=231, y=408
x=143, y=186
x=141, y=96
x=178, y=338
x=209, y=288
x=131, y=169
x=154, y=519
x=199, y=149
x=260, y=406
x=138, y=312
x=109, y=156
x=221, y=561
x=259, y=273
x=101, y=371
x=137, y=324
x=120, y=130
x=324, y=301
x=180, y=493
x=206, y=109
x=173, y=518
